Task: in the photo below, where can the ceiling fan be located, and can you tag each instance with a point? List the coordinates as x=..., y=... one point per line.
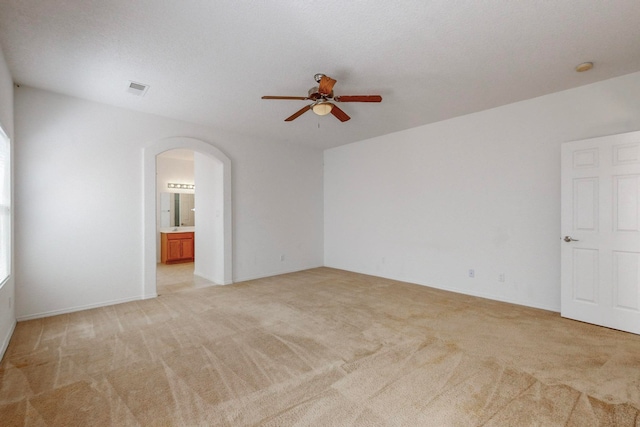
x=321, y=96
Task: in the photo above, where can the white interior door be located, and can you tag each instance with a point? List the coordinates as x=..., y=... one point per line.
x=601, y=231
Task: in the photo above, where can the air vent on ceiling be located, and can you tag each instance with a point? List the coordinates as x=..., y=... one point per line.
x=137, y=89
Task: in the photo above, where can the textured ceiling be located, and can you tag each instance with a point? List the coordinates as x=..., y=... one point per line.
x=210, y=62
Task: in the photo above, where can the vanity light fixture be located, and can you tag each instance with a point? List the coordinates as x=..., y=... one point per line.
x=182, y=186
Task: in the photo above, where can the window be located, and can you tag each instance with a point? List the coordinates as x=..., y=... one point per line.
x=5, y=208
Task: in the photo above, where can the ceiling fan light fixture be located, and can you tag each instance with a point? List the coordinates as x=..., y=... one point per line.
x=322, y=108
x=321, y=96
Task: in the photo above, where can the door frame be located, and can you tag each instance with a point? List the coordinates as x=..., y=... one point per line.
x=149, y=217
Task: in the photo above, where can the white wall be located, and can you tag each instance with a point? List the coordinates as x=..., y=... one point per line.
x=476, y=192
x=173, y=170
x=79, y=197
x=7, y=292
x=209, y=225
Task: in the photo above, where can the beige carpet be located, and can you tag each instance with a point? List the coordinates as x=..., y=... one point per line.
x=318, y=348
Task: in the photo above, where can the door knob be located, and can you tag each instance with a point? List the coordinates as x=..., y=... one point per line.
x=570, y=239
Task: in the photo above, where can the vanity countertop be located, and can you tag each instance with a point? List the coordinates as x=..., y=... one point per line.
x=177, y=229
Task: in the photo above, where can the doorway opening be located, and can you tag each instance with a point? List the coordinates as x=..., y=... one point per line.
x=211, y=238
x=175, y=220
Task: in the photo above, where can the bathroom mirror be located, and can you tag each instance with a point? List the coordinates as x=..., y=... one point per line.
x=177, y=210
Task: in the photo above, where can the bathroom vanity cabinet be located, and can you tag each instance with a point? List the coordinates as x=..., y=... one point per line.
x=176, y=247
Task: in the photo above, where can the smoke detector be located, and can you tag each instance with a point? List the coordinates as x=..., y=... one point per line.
x=137, y=89
x=585, y=66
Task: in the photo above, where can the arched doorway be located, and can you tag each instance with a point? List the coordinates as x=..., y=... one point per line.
x=220, y=253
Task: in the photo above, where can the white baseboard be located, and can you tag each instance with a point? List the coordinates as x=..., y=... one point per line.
x=275, y=273
x=5, y=342
x=458, y=291
x=496, y=298
x=143, y=297
x=81, y=307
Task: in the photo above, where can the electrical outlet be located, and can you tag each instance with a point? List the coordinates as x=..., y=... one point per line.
x=282, y=257
x=501, y=277
x=472, y=273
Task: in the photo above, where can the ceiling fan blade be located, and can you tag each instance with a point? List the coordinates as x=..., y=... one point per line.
x=339, y=114
x=300, y=98
x=358, y=98
x=298, y=113
x=326, y=85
